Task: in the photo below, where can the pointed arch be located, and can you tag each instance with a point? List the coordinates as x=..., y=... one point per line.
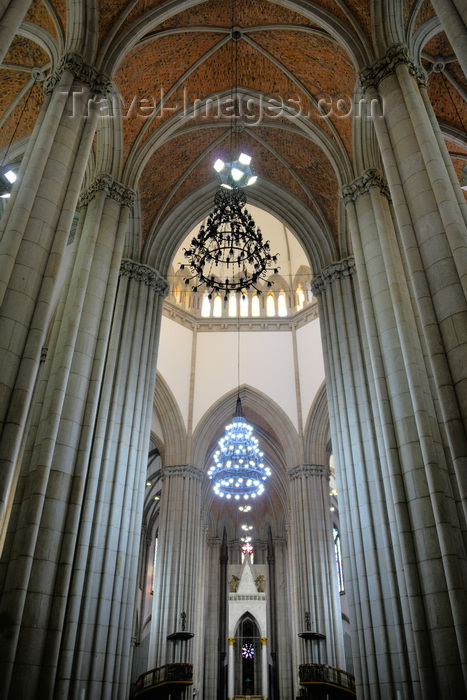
x=317, y=429
x=172, y=423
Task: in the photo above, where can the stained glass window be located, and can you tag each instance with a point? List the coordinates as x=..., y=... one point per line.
x=248, y=650
x=247, y=548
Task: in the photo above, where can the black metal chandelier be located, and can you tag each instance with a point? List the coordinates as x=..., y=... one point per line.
x=229, y=253
x=238, y=471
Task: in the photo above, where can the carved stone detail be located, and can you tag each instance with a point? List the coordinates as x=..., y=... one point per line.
x=331, y=273
x=113, y=189
x=362, y=185
x=144, y=275
x=306, y=470
x=73, y=63
x=385, y=66
x=182, y=470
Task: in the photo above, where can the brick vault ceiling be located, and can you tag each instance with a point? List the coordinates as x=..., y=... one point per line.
x=279, y=66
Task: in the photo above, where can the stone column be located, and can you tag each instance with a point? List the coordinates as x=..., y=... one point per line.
x=264, y=667
x=180, y=575
x=377, y=598
x=284, y=671
x=33, y=235
x=95, y=654
x=417, y=490
x=213, y=622
x=231, y=670
x=315, y=577
x=54, y=494
x=431, y=219
x=12, y=14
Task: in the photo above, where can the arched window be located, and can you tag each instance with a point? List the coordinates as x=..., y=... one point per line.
x=206, y=307
x=300, y=297
x=244, y=306
x=282, y=305
x=217, y=306
x=255, y=305
x=270, y=305
x=232, y=305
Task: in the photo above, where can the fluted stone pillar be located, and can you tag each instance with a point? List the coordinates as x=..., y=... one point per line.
x=431, y=217
x=33, y=235
x=377, y=595
x=278, y=588
x=180, y=575
x=213, y=622
x=51, y=517
x=95, y=654
x=312, y=557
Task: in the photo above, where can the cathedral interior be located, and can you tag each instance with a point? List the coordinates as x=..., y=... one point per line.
x=128, y=568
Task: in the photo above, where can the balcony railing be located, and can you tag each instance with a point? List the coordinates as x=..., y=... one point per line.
x=321, y=674
x=173, y=675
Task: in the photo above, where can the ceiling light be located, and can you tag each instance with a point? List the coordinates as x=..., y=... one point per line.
x=10, y=176
x=244, y=159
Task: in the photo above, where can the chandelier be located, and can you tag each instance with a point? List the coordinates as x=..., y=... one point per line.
x=238, y=470
x=229, y=253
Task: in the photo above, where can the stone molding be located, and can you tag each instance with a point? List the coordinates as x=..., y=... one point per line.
x=113, y=189
x=306, y=470
x=395, y=56
x=331, y=273
x=182, y=470
x=363, y=184
x=73, y=63
x=143, y=274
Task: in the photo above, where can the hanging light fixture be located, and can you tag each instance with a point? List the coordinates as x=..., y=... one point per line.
x=238, y=471
x=229, y=253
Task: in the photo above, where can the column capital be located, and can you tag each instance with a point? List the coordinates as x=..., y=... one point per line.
x=182, y=470
x=144, y=275
x=306, y=470
x=279, y=542
x=231, y=641
x=331, y=273
x=395, y=56
x=264, y=641
x=363, y=184
x=72, y=62
x=113, y=189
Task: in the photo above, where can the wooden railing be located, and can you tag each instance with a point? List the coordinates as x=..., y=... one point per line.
x=170, y=674
x=320, y=673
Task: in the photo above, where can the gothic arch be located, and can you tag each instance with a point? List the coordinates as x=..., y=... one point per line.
x=317, y=429
x=172, y=423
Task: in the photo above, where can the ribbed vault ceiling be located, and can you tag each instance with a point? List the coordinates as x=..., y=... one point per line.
x=287, y=55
